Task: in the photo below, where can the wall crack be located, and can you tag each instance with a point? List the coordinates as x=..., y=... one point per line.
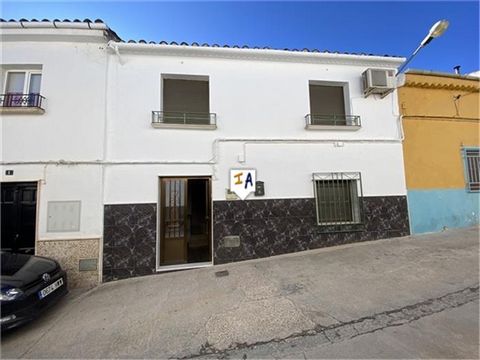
x=365, y=325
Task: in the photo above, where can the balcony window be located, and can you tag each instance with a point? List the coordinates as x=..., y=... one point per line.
x=22, y=92
x=185, y=103
x=329, y=107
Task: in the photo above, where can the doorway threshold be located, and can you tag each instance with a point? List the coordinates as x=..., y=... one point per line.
x=184, y=266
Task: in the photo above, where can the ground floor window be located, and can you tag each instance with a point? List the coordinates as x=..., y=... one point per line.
x=472, y=168
x=338, y=198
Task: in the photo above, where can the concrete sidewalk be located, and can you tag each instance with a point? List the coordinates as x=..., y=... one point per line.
x=336, y=296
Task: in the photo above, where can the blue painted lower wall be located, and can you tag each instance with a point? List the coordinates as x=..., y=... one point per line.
x=433, y=210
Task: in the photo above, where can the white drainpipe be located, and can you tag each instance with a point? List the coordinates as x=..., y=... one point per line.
x=213, y=159
x=114, y=46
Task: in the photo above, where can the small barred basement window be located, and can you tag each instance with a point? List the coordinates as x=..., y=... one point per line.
x=338, y=198
x=472, y=168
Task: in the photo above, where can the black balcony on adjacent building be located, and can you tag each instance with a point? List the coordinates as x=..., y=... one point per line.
x=15, y=101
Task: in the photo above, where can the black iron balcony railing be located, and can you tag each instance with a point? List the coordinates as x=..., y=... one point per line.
x=14, y=100
x=333, y=120
x=180, y=118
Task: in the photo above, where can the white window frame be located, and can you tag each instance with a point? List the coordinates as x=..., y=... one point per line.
x=339, y=84
x=192, y=77
x=350, y=125
x=26, y=83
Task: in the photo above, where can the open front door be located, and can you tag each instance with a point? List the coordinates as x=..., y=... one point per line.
x=173, y=242
x=185, y=223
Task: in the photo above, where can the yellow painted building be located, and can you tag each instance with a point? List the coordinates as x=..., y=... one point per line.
x=441, y=124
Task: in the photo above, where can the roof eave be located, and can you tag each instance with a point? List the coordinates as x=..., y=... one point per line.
x=441, y=74
x=259, y=54
x=57, y=24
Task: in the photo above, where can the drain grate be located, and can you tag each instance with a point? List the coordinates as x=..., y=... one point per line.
x=221, y=273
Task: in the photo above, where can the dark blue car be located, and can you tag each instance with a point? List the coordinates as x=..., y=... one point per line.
x=29, y=285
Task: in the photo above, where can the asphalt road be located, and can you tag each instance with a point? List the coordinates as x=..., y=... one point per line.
x=450, y=333
x=413, y=297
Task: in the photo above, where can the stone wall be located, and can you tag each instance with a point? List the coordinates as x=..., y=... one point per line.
x=70, y=253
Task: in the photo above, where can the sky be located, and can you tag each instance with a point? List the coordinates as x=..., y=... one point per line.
x=378, y=27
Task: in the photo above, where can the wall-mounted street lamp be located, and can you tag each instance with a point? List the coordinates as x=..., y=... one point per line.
x=437, y=29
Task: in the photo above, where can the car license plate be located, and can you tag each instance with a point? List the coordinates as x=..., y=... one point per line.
x=50, y=288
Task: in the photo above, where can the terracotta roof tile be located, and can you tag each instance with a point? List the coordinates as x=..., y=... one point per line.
x=195, y=44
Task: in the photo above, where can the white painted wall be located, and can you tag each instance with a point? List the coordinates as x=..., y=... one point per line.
x=286, y=170
x=73, y=83
x=65, y=183
x=71, y=129
x=254, y=99
x=85, y=120
x=251, y=99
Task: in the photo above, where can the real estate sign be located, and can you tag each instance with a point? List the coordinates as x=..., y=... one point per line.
x=242, y=182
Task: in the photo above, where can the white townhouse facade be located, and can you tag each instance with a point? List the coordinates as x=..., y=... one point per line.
x=125, y=164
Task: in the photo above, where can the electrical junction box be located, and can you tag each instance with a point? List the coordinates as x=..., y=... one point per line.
x=259, y=188
x=231, y=241
x=87, y=264
x=230, y=195
x=63, y=216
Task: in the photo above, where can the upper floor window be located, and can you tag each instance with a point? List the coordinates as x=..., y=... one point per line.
x=330, y=106
x=22, y=89
x=472, y=168
x=185, y=103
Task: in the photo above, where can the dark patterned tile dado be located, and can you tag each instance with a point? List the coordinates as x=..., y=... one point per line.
x=265, y=227
x=279, y=226
x=129, y=240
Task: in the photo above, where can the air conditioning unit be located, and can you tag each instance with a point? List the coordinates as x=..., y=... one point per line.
x=378, y=81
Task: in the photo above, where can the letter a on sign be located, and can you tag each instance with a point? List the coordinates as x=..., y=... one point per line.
x=242, y=182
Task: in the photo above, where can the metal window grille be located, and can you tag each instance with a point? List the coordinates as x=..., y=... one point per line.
x=338, y=198
x=472, y=167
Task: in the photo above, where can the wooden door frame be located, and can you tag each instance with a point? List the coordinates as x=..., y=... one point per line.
x=158, y=266
x=162, y=200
